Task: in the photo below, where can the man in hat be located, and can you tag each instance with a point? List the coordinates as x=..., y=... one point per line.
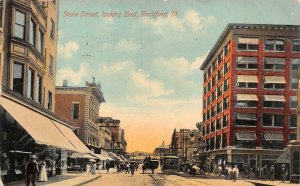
x=272, y=171
x=235, y=171
x=31, y=171
x=264, y=173
x=284, y=173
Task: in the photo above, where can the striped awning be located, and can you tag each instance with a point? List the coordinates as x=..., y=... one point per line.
x=279, y=98
x=275, y=79
x=270, y=136
x=246, y=79
x=248, y=40
x=246, y=97
x=246, y=136
x=246, y=116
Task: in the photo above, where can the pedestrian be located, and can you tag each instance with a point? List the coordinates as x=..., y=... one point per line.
x=219, y=170
x=226, y=172
x=264, y=173
x=284, y=173
x=235, y=171
x=127, y=168
x=93, y=168
x=31, y=171
x=230, y=173
x=132, y=168
x=43, y=173
x=1, y=183
x=107, y=166
x=272, y=170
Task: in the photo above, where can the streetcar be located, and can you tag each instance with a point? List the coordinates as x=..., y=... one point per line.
x=169, y=164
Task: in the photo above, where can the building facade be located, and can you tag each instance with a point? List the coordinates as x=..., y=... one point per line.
x=249, y=94
x=80, y=106
x=185, y=144
x=28, y=124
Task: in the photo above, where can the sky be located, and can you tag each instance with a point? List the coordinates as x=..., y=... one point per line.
x=148, y=66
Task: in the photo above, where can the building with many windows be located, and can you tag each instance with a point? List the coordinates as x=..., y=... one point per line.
x=28, y=124
x=249, y=97
x=80, y=106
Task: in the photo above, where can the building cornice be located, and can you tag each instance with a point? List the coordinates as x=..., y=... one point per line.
x=231, y=26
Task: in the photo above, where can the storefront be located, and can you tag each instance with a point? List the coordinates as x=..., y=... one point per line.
x=24, y=131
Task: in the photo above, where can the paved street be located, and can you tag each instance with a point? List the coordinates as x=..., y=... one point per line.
x=139, y=179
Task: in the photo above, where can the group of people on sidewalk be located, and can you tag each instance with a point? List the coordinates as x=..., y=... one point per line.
x=270, y=173
x=231, y=173
x=33, y=172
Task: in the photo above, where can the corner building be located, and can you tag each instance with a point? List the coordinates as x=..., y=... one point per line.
x=250, y=94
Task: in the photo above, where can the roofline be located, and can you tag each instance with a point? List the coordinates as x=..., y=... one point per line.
x=229, y=27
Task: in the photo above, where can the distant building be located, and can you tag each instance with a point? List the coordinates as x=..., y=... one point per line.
x=161, y=150
x=185, y=144
x=250, y=94
x=80, y=106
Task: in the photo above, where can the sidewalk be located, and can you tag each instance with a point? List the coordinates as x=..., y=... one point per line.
x=64, y=180
x=275, y=183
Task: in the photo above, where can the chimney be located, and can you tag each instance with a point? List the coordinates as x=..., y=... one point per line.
x=65, y=83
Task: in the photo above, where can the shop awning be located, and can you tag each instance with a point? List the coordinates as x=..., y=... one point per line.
x=247, y=60
x=246, y=136
x=248, y=41
x=279, y=98
x=246, y=97
x=83, y=155
x=114, y=156
x=269, y=136
x=275, y=79
x=73, y=139
x=284, y=157
x=247, y=79
x=102, y=157
x=38, y=126
x=246, y=116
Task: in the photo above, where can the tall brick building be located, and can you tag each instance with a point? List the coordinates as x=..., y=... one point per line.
x=249, y=98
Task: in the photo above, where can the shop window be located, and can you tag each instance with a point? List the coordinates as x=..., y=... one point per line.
x=18, y=78
x=75, y=110
x=270, y=120
x=296, y=163
x=293, y=120
x=272, y=144
x=20, y=25
x=274, y=45
x=30, y=83
x=296, y=45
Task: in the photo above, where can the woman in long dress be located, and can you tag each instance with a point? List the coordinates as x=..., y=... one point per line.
x=43, y=173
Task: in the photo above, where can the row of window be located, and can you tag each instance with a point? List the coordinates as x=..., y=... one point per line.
x=269, y=120
x=31, y=86
x=277, y=45
x=35, y=32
